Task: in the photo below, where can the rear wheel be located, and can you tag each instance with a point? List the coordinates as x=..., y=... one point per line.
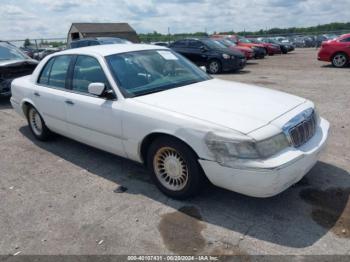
x=37, y=125
x=340, y=60
x=214, y=67
x=175, y=168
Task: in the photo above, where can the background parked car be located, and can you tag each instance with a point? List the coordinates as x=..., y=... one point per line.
x=47, y=51
x=271, y=49
x=98, y=41
x=214, y=56
x=336, y=51
x=13, y=64
x=285, y=48
x=29, y=52
x=248, y=52
x=259, y=50
x=161, y=44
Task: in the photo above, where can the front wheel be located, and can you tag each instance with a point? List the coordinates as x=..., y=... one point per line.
x=340, y=60
x=175, y=168
x=214, y=67
x=37, y=125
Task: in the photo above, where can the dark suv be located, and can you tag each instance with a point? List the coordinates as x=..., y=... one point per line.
x=98, y=41
x=13, y=64
x=213, y=55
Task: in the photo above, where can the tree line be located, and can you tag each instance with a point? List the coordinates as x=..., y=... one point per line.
x=312, y=30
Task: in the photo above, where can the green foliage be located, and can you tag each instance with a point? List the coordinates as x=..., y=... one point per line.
x=313, y=30
x=27, y=43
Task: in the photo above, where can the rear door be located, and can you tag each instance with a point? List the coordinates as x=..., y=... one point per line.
x=50, y=93
x=196, y=53
x=91, y=119
x=181, y=47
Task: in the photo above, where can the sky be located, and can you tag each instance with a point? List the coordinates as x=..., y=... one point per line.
x=20, y=19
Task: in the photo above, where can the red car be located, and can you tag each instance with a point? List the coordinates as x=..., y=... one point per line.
x=271, y=49
x=259, y=50
x=248, y=52
x=336, y=51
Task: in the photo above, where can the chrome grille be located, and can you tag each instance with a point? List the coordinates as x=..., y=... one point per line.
x=304, y=131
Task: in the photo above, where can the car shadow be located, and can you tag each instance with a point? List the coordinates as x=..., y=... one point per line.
x=5, y=103
x=297, y=218
x=239, y=72
x=251, y=63
x=331, y=66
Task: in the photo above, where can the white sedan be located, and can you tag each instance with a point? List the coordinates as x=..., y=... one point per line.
x=151, y=105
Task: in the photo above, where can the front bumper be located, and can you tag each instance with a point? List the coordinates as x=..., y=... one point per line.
x=233, y=64
x=259, y=52
x=271, y=176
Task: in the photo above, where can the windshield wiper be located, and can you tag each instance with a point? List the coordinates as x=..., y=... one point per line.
x=167, y=87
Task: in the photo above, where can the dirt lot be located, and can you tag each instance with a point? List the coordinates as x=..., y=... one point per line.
x=58, y=197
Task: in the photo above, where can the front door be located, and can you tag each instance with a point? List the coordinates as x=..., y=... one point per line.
x=91, y=119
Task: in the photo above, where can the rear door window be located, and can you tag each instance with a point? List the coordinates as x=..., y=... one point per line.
x=194, y=44
x=181, y=43
x=59, y=71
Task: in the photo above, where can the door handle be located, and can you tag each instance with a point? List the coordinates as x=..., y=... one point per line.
x=69, y=102
x=36, y=94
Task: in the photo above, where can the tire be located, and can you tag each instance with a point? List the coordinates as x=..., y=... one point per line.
x=284, y=50
x=37, y=125
x=340, y=60
x=214, y=67
x=174, y=168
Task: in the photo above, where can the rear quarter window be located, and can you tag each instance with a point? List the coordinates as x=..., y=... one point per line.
x=45, y=73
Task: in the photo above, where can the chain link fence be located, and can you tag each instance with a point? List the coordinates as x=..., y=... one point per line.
x=304, y=39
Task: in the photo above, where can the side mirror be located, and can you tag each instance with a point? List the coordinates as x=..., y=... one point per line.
x=203, y=48
x=203, y=68
x=96, y=89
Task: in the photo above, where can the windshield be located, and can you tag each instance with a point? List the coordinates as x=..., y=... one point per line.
x=256, y=41
x=244, y=40
x=9, y=52
x=227, y=42
x=144, y=72
x=109, y=41
x=213, y=43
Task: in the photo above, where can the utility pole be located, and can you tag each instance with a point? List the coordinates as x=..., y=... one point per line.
x=169, y=35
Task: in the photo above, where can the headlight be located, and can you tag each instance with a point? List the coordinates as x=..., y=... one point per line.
x=225, y=149
x=272, y=145
x=226, y=56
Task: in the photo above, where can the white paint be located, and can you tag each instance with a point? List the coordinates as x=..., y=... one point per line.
x=188, y=113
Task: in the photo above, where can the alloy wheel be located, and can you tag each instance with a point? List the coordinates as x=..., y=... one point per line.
x=35, y=122
x=214, y=67
x=339, y=60
x=170, y=169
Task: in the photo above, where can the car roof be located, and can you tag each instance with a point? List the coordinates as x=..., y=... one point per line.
x=106, y=50
x=345, y=36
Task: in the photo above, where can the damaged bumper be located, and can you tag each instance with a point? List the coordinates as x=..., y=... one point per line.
x=266, y=178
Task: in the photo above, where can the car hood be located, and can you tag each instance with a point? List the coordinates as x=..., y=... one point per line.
x=233, y=105
x=6, y=63
x=244, y=48
x=251, y=45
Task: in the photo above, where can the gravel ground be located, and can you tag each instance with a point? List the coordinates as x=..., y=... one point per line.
x=63, y=197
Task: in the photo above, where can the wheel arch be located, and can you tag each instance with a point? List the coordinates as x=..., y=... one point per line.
x=339, y=52
x=25, y=104
x=150, y=138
